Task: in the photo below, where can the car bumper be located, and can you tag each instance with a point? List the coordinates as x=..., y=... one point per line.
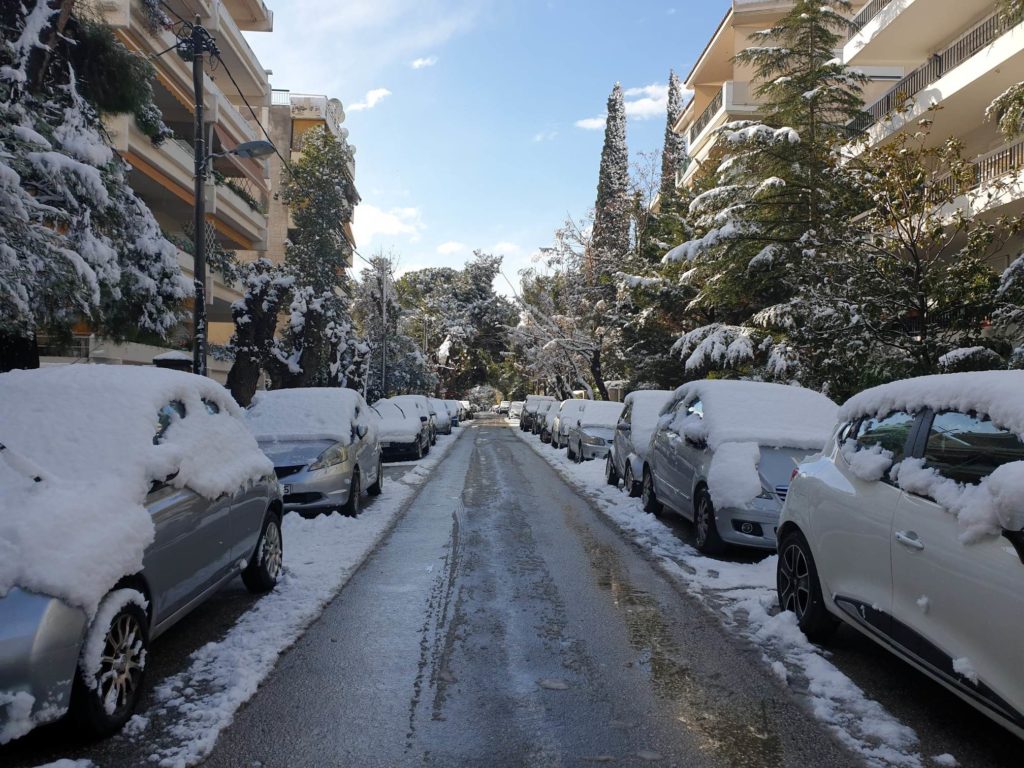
x=761, y=522
x=310, y=492
x=589, y=452
x=40, y=640
x=393, y=450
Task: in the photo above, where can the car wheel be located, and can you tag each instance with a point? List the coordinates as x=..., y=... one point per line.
x=579, y=453
x=633, y=488
x=102, y=700
x=705, y=526
x=648, y=498
x=611, y=476
x=378, y=486
x=568, y=451
x=351, y=507
x=419, y=450
x=800, y=590
x=261, y=574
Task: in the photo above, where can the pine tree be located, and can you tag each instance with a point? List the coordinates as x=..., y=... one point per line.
x=76, y=243
x=674, y=157
x=611, y=209
x=319, y=346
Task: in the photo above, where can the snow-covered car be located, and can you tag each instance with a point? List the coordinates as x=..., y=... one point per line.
x=723, y=453
x=323, y=442
x=590, y=435
x=503, y=407
x=128, y=495
x=403, y=432
x=633, y=437
x=539, y=423
x=515, y=409
x=455, y=412
x=567, y=414
x=422, y=407
x=467, y=410
x=442, y=416
x=910, y=527
x=529, y=413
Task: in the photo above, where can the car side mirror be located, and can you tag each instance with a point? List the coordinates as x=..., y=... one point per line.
x=361, y=431
x=156, y=485
x=1016, y=538
x=624, y=426
x=423, y=419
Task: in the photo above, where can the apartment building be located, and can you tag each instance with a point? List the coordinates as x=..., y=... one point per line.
x=724, y=90
x=238, y=190
x=954, y=57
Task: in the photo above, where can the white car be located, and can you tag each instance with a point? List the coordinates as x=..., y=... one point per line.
x=567, y=414
x=442, y=416
x=515, y=409
x=593, y=430
x=910, y=528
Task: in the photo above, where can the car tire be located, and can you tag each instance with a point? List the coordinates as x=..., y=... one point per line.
x=419, y=450
x=633, y=488
x=611, y=475
x=705, y=526
x=649, y=498
x=262, y=572
x=568, y=451
x=355, y=491
x=125, y=641
x=378, y=486
x=799, y=589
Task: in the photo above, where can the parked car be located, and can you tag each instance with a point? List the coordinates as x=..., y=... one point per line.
x=723, y=453
x=421, y=405
x=323, y=442
x=515, y=409
x=538, y=424
x=468, y=411
x=530, y=406
x=567, y=414
x=633, y=437
x=442, y=416
x=909, y=527
x=404, y=432
x=503, y=407
x=456, y=412
x=591, y=435
x=128, y=496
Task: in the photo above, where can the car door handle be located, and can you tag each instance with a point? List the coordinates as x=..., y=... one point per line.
x=909, y=539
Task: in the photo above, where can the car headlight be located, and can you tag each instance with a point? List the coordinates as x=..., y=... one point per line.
x=336, y=454
x=591, y=440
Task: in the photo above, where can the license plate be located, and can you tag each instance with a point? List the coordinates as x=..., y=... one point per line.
x=286, y=490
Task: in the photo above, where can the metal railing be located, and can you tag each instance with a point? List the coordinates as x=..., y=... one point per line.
x=988, y=167
x=706, y=116
x=280, y=98
x=937, y=65
x=868, y=12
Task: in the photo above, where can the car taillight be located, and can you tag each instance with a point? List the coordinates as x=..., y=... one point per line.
x=796, y=471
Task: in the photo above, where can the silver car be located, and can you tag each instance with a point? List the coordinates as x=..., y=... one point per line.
x=82, y=419
x=590, y=436
x=567, y=414
x=723, y=453
x=420, y=405
x=323, y=442
x=442, y=416
x=633, y=437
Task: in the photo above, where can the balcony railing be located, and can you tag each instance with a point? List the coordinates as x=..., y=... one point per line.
x=937, y=65
x=707, y=115
x=868, y=12
x=989, y=167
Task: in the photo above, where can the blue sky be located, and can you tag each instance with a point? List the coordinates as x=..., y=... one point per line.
x=469, y=116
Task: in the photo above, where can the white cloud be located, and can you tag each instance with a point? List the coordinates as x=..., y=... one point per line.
x=505, y=248
x=372, y=99
x=423, y=63
x=641, y=103
x=452, y=246
x=592, y=123
x=372, y=223
x=545, y=136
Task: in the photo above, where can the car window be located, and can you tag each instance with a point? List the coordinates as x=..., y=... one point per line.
x=696, y=407
x=967, y=448
x=165, y=416
x=211, y=407
x=627, y=414
x=890, y=432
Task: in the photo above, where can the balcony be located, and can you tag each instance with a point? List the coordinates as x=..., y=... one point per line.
x=251, y=15
x=238, y=56
x=997, y=182
x=312, y=107
x=733, y=101
x=908, y=31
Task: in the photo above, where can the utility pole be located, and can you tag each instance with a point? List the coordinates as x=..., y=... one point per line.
x=383, y=333
x=193, y=48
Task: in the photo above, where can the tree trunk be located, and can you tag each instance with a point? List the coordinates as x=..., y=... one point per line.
x=243, y=378
x=595, y=370
x=39, y=58
x=18, y=351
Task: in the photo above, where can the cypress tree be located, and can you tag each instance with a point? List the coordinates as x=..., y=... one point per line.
x=611, y=209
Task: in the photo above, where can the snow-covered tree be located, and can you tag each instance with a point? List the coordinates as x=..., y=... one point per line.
x=674, y=157
x=319, y=345
x=612, y=207
x=76, y=243
x=1008, y=108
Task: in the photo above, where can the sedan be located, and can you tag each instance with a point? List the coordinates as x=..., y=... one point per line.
x=128, y=496
x=909, y=527
x=633, y=437
x=403, y=433
x=323, y=442
x=590, y=437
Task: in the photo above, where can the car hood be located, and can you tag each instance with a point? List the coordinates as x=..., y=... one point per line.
x=395, y=434
x=290, y=453
x=597, y=431
x=776, y=465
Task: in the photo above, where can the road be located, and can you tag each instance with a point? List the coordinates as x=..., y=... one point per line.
x=503, y=623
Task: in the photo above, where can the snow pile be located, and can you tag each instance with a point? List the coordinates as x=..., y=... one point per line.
x=397, y=424
x=743, y=596
x=867, y=463
x=733, y=480
x=92, y=653
x=643, y=418
x=970, y=358
x=320, y=556
x=600, y=413
x=305, y=413
x=87, y=432
x=771, y=415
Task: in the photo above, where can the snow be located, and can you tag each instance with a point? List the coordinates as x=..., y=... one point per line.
x=87, y=431
x=600, y=413
x=733, y=480
x=305, y=413
x=771, y=415
x=92, y=652
x=397, y=424
x=173, y=354
x=321, y=555
x=946, y=760
x=743, y=596
x=643, y=417
x=867, y=463
x=963, y=667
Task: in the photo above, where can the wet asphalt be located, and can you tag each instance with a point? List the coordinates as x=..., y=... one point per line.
x=503, y=623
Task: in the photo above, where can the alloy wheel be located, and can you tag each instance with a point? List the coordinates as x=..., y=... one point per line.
x=122, y=662
x=271, y=552
x=702, y=522
x=794, y=580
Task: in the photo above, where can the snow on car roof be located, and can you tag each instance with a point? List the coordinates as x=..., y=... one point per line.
x=396, y=420
x=88, y=431
x=996, y=394
x=600, y=413
x=304, y=413
x=774, y=415
x=643, y=418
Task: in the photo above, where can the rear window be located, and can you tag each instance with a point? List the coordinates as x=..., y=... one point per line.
x=967, y=448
